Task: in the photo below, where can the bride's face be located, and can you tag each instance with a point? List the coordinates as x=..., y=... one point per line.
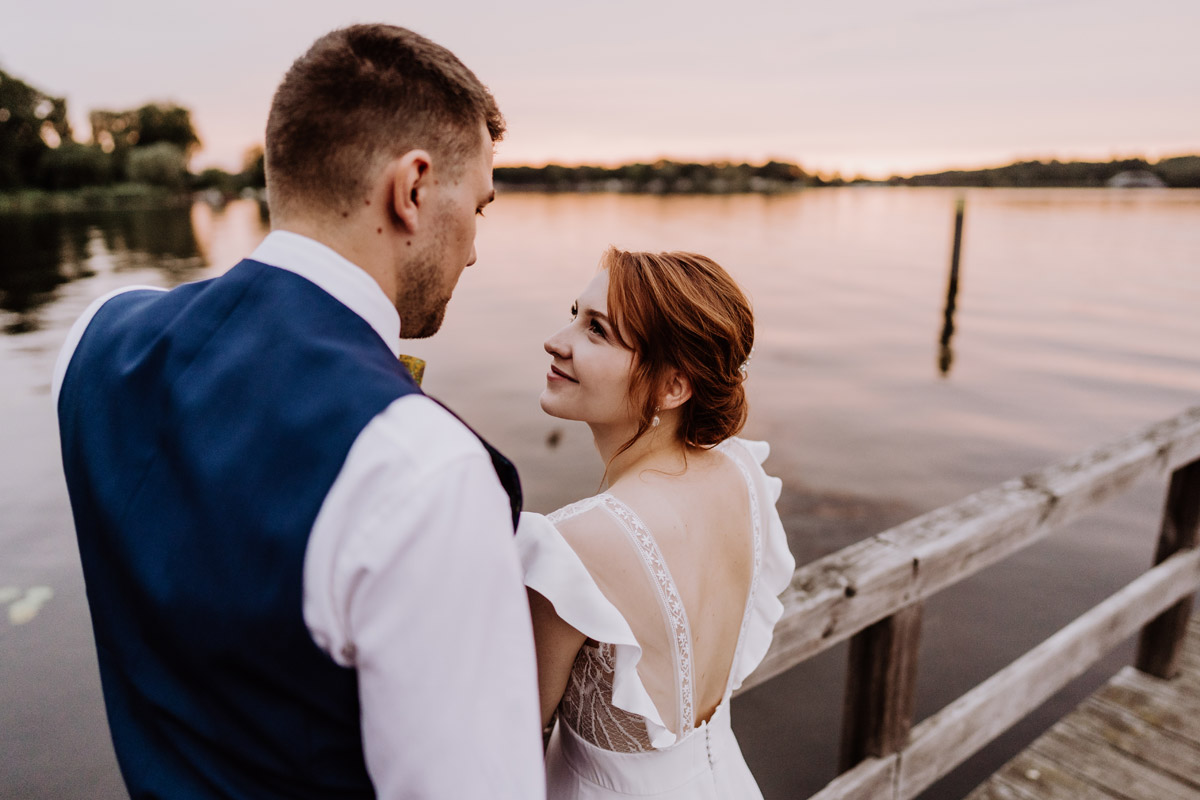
x=590, y=368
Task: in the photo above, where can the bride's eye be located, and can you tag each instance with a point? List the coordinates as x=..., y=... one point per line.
x=574, y=310
x=597, y=329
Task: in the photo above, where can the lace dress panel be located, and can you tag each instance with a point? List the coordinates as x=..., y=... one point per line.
x=587, y=705
x=587, y=702
x=672, y=604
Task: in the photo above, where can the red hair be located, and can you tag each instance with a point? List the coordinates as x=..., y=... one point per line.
x=682, y=311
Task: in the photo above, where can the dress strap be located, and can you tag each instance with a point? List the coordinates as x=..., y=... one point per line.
x=675, y=615
x=573, y=510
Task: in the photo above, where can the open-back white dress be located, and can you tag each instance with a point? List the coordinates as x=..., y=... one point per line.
x=611, y=739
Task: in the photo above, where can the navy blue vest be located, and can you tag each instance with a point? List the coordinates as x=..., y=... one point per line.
x=201, y=430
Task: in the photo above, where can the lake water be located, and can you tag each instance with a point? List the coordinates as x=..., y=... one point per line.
x=1078, y=320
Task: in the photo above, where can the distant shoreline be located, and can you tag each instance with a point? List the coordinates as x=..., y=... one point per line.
x=674, y=177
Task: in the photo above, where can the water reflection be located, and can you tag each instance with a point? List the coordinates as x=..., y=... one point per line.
x=37, y=254
x=1082, y=327
x=40, y=252
x=163, y=238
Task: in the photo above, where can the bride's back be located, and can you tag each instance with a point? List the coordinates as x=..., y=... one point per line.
x=675, y=554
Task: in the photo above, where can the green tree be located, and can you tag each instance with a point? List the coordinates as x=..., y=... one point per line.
x=1182, y=171
x=167, y=123
x=72, y=165
x=150, y=124
x=120, y=132
x=160, y=164
x=31, y=122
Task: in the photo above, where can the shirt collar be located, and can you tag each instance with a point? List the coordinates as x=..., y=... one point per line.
x=341, y=278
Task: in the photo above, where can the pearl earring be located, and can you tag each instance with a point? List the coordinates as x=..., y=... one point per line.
x=654, y=422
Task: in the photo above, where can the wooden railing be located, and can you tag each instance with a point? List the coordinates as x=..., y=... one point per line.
x=872, y=593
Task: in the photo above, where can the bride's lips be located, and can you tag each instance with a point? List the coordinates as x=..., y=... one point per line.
x=556, y=374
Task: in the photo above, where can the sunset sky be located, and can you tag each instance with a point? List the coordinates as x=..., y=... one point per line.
x=862, y=86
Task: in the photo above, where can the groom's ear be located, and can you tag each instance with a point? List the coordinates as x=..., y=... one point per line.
x=409, y=180
x=677, y=389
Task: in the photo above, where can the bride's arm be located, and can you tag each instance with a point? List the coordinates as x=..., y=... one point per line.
x=557, y=645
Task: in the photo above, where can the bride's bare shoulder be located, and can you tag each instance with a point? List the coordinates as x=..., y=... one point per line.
x=586, y=522
x=673, y=502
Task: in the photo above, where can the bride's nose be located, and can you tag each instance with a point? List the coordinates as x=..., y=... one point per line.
x=557, y=345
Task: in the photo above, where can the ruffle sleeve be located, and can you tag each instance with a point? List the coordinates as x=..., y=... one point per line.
x=554, y=570
x=776, y=564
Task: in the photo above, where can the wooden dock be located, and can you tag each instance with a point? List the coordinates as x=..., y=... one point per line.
x=1138, y=738
x=872, y=593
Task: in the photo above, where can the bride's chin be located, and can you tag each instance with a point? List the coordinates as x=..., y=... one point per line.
x=549, y=407
x=547, y=404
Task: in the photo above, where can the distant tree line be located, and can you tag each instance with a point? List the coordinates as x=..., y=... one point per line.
x=1180, y=172
x=149, y=145
x=673, y=177
x=662, y=177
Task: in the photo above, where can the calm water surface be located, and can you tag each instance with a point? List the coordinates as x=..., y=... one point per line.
x=1077, y=321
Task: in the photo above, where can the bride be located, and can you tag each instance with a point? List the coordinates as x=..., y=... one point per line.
x=652, y=601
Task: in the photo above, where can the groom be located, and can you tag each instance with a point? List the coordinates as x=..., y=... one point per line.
x=300, y=568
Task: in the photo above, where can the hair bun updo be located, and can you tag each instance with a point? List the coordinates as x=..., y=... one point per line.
x=683, y=311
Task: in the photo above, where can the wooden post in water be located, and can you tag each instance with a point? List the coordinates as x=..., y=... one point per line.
x=945, y=351
x=881, y=685
x=1161, y=641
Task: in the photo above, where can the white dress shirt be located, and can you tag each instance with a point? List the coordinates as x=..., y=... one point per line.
x=411, y=577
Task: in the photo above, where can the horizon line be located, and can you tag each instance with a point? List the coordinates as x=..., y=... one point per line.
x=976, y=167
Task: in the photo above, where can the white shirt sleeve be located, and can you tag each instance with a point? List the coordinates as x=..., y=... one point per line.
x=411, y=576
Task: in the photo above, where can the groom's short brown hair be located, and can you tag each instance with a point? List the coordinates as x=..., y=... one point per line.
x=359, y=95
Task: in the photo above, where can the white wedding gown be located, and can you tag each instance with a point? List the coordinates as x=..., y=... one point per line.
x=611, y=739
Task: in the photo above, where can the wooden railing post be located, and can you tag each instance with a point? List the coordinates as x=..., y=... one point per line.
x=881, y=682
x=1161, y=641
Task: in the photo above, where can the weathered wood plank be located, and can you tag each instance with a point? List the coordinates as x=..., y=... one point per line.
x=1167, y=690
x=948, y=737
x=1103, y=722
x=997, y=788
x=1168, y=705
x=1191, y=643
x=1189, y=658
x=881, y=687
x=1036, y=777
x=1189, y=665
x=1177, y=713
x=837, y=596
x=1182, y=689
x=1189, y=673
x=1104, y=765
x=1161, y=642
x=872, y=779
x=1096, y=730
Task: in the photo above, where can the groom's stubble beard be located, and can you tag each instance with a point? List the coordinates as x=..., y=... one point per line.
x=422, y=300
